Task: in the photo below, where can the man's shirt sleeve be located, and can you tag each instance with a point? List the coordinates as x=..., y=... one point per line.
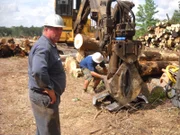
x=40, y=67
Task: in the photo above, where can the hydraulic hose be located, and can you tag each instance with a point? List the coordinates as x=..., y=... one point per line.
x=173, y=69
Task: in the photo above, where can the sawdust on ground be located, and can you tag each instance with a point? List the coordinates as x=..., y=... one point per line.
x=78, y=115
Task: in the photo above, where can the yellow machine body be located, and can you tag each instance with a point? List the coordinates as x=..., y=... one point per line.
x=65, y=9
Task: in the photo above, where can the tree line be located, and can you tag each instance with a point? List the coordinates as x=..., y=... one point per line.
x=20, y=31
x=145, y=17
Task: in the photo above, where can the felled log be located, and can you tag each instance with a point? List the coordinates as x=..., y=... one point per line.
x=19, y=52
x=146, y=68
x=153, y=90
x=83, y=42
x=170, y=43
x=26, y=44
x=71, y=66
x=158, y=55
x=5, y=51
x=2, y=41
x=177, y=40
x=80, y=55
x=8, y=51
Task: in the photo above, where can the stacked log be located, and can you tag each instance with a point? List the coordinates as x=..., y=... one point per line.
x=85, y=46
x=152, y=61
x=8, y=48
x=164, y=35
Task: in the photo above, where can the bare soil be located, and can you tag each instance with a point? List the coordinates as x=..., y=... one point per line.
x=77, y=114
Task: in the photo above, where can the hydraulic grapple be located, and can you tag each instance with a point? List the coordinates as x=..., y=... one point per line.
x=115, y=30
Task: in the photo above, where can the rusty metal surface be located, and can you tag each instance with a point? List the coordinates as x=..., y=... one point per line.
x=128, y=50
x=126, y=84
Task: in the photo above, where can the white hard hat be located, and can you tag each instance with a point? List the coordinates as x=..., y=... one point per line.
x=97, y=57
x=54, y=20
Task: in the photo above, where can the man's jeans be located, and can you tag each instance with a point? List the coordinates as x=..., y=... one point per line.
x=46, y=114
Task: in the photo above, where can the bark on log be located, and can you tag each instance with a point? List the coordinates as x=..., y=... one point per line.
x=2, y=41
x=177, y=40
x=158, y=55
x=170, y=43
x=83, y=42
x=19, y=52
x=5, y=51
x=152, y=67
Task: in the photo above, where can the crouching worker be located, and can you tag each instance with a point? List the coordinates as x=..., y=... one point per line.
x=88, y=66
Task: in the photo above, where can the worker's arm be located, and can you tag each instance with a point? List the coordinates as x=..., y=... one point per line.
x=105, y=70
x=40, y=72
x=51, y=94
x=96, y=75
x=102, y=65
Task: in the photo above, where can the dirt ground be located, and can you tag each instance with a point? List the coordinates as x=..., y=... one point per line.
x=77, y=114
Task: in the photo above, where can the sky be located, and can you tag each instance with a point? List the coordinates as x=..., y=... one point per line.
x=33, y=12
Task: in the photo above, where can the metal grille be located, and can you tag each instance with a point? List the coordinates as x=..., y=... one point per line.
x=64, y=7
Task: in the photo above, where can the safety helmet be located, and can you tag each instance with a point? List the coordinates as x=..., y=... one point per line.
x=97, y=57
x=54, y=20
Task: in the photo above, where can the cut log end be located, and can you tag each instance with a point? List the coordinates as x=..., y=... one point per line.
x=78, y=41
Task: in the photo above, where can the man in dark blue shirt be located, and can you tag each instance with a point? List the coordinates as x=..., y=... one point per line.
x=47, y=79
x=88, y=65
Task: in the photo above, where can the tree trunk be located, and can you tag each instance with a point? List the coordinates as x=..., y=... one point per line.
x=83, y=42
x=153, y=67
x=158, y=55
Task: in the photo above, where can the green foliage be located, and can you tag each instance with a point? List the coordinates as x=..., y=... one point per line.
x=144, y=17
x=176, y=17
x=20, y=31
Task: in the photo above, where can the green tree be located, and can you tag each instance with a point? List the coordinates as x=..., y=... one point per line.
x=176, y=17
x=20, y=31
x=144, y=17
x=5, y=31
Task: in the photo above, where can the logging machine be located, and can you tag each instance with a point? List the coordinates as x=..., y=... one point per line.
x=115, y=28
x=68, y=9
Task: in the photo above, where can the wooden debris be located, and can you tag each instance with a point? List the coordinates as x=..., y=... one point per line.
x=9, y=48
x=151, y=54
x=163, y=35
x=72, y=67
x=152, y=67
x=83, y=42
x=5, y=51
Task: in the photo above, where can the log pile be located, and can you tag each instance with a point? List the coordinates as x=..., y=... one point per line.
x=9, y=48
x=152, y=61
x=164, y=35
